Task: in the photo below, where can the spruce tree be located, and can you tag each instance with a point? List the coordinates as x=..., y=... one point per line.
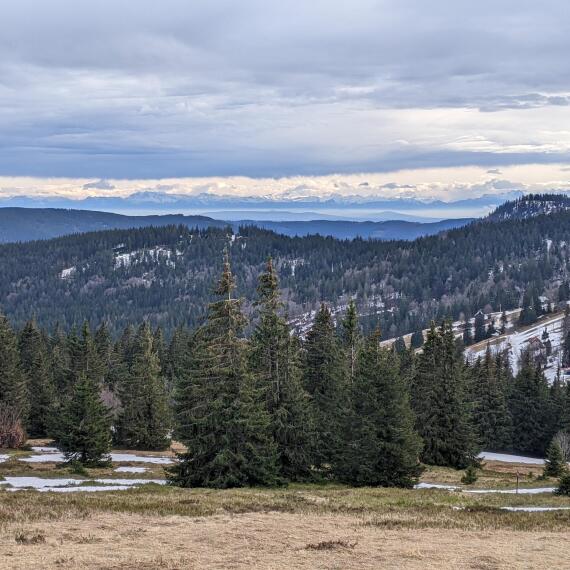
x=351, y=337
x=440, y=402
x=84, y=431
x=221, y=412
x=380, y=445
x=529, y=408
x=555, y=464
x=144, y=421
x=491, y=412
x=274, y=359
x=325, y=381
x=37, y=369
x=13, y=386
x=417, y=339
x=480, y=332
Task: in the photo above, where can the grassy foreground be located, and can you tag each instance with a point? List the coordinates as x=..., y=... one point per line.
x=301, y=526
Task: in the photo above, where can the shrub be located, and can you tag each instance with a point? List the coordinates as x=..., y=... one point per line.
x=470, y=475
x=12, y=433
x=563, y=485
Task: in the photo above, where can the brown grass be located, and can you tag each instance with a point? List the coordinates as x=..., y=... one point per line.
x=273, y=541
x=302, y=526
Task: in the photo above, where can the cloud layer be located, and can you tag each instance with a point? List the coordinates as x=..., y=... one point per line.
x=120, y=89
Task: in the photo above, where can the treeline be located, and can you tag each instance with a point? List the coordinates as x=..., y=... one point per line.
x=272, y=407
x=403, y=286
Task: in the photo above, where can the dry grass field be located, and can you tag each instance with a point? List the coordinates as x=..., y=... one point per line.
x=301, y=526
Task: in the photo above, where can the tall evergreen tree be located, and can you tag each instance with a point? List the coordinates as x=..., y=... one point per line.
x=84, y=431
x=275, y=363
x=480, y=332
x=37, y=369
x=491, y=413
x=326, y=384
x=13, y=387
x=144, y=421
x=222, y=415
x=381, y=446
x=529, y=408
x=417, y=339
x=351, y=338
x=440, y=402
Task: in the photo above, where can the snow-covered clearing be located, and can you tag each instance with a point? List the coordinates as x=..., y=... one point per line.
x=53, y=455
x=516, y=342
x=507, y=458
x=70, y=485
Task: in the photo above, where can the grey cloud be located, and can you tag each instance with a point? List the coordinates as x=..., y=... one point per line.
x=147, y=89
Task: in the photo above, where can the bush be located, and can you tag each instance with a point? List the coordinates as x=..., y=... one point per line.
x=563, y=485
x=470, y=475
x=12, y=433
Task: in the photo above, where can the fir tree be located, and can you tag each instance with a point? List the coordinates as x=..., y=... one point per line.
x=37, y=369
x=555, y=465
x=221, y=413
x=144, y=421
x=529, y=407
x=13, y=387
x=399, y=345
x=84, y=432
x=351, y=337
x=480, y=332
x=440, y=402
x=417, y=339
x=491, y=413
x=275, y=363
x=467, y=336
x=381, y=446
x=325, y=382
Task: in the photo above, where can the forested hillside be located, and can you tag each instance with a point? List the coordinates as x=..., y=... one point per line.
x=29, y=224
x=165, y=274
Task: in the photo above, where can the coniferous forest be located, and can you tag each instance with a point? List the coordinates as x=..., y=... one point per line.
x=255, y=404
x=163, y=275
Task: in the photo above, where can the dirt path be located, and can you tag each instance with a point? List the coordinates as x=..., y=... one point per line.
x=268, y=541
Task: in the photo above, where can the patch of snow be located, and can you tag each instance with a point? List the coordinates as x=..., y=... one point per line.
x=534, y=509
x=41, y=449
x=131, y=469
x=4, y=457
x=436, y=486
x=58, y=457
x=67, y=273
x=507, y=458
x=156, y=459
x=533, y=491
x=70, y=485
x=44, y=458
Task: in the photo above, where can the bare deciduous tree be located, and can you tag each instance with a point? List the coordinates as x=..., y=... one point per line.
x=12, y=434
x=563, y=440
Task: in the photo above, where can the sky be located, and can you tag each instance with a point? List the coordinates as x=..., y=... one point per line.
x=385, y=97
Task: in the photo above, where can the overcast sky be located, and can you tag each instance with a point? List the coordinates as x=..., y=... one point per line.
x=123, y=89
